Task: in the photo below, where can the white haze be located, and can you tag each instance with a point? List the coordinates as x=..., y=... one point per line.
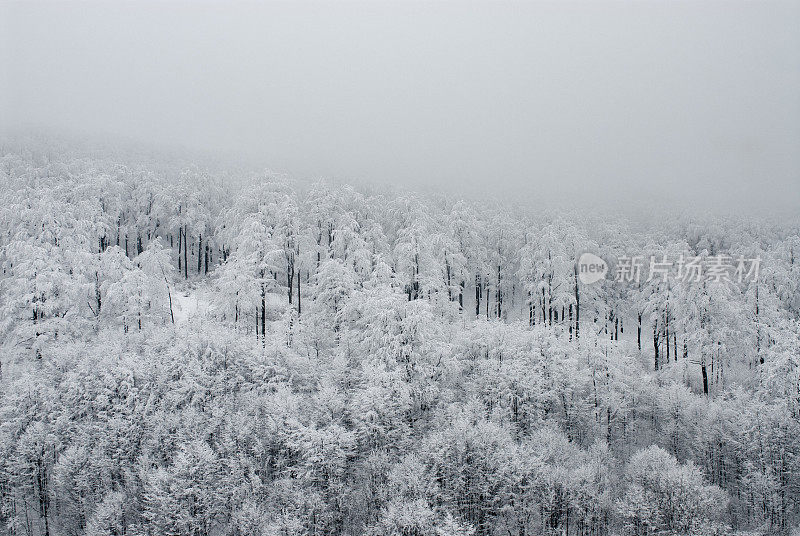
x=641, y=104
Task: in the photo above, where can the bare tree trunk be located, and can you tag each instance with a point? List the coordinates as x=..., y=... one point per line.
x=577, y=304
x=289, y=280
x=180, y=243
x=531, y=311
x=319, y=245
x=169, y=295
x=477, y=295
x=499, y=295
x=186, y=252
x=97, y=295
x=705, y=376
x=571, y=329
x=447, y=277
x=44, y=499
x=263, y=315
x=655, y=346
x=758, y=331
x=416, y=276
x=544, y=308
x=639, y=332
x=675, y=344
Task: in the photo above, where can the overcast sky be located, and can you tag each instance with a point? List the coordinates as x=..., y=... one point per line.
x=642, y=102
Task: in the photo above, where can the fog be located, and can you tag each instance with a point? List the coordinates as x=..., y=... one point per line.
x=625, y=103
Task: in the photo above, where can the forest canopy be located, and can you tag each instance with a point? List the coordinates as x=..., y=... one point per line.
x=190, y=350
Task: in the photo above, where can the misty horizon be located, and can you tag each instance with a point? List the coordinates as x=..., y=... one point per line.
x=622, y=105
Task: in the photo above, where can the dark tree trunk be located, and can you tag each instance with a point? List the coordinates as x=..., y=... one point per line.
x=477, y=295
x=263, y=315
x=758, y=332
x=169, y=295
x=570, y=322
x=666, y=330
x=44, y=499
x=416, y=276
x=705, y=377
x=97, y=294
x=544, y=308
x=186, y=252
x=639, y=333
x=655, y=346
x=499, y=295
x=447, y=277
x=577, y=305
x=289, y=281
x=675, y=344
x=531, y=311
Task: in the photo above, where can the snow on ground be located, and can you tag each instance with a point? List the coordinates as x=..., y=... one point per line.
x=195, y=301
x=188, y=305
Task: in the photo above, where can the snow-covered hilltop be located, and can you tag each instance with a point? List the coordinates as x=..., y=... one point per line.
x=187, y=353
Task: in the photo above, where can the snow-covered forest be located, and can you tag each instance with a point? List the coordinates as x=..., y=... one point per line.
x=195, y=351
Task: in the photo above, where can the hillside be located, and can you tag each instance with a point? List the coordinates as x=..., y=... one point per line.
x=185, y=350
